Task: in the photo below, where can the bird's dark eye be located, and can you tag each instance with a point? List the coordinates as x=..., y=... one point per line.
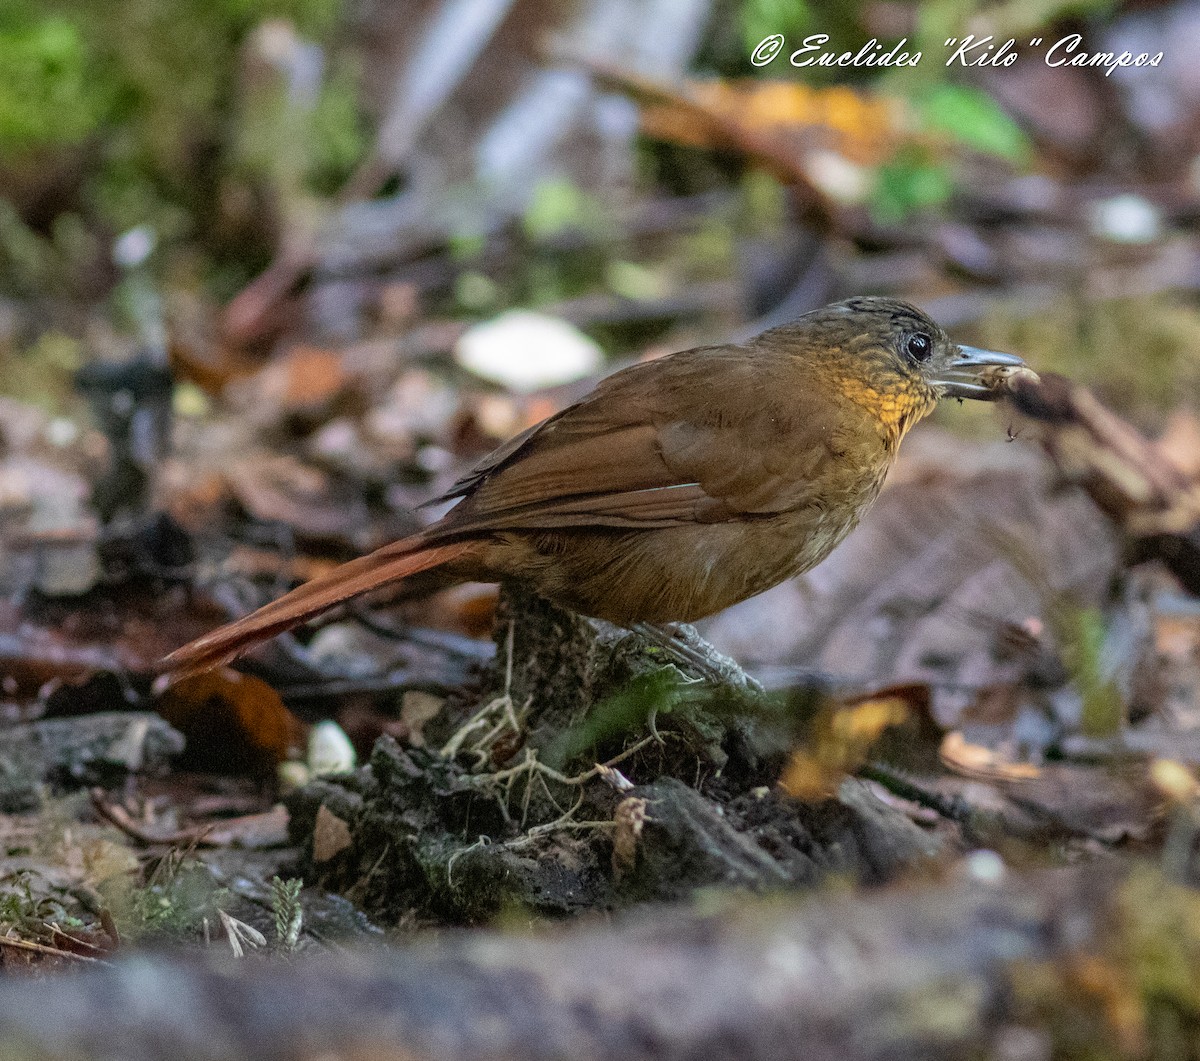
x=919, y=346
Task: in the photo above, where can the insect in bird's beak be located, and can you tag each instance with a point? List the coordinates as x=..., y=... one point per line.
x=979, y=374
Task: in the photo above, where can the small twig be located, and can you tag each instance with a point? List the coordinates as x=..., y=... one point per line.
x=441, y=640
x=560, y=824
x=115, y=814
x=531, y=767
x=951, y=808
x=42, y=948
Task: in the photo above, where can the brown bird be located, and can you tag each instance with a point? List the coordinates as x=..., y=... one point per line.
x=679, y=486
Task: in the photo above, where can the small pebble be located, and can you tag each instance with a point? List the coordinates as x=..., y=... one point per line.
x=527, y=351
x=330, y=750
x=986, y=867
x=1125, y=219
x=292, y=775
x=843, y=181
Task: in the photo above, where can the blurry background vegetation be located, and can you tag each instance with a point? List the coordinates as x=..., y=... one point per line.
x=226, y=126
x=112, y=117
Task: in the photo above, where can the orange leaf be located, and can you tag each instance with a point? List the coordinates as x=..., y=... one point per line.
x=233, y=722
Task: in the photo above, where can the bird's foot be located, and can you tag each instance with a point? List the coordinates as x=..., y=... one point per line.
x=695, y=655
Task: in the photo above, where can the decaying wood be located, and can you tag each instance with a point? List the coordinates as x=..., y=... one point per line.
x=941, y=972
x=1156, y=503
x=500, y=811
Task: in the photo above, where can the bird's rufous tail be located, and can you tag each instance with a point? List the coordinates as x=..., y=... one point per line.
x=373, y=571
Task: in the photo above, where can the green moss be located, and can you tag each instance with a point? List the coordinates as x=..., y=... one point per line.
x=1160, y=932
x=179, y=895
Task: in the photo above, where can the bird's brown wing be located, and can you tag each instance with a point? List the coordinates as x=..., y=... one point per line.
x=643, y=451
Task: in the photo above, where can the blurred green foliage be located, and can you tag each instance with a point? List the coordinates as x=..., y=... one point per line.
x=558, y=206
x=157, y=73
x=151, y=98
x=144, y=113
x=46, y=94
x=912, y=180
x=958, y=115
x=1087, y=654
x=337, y=134
x=970, y=117
x=917, y=177
x=762, y=18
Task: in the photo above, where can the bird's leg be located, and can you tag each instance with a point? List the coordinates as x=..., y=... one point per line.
x=682, y=643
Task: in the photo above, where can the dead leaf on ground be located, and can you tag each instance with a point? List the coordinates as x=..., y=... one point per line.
x=305, y=380
x=233, y=722
x=862, y=126
x=331, y=835
x=838, y=743
x=280, y=489
x=974, y=760
x=65, y=642
x=252, y=831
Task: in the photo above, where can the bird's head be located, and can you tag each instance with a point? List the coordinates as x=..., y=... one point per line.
x=891, y=358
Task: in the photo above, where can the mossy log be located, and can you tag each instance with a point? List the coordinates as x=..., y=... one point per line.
x=1067, y=963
